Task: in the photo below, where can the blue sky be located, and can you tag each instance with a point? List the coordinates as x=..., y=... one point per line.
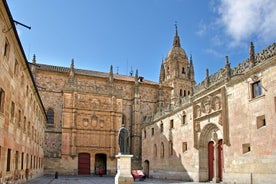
x=137, y=34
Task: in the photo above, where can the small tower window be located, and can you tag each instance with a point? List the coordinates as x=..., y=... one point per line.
x=183, y=70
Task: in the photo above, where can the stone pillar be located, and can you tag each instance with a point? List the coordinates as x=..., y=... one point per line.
x=123, y=175
x=216, y=169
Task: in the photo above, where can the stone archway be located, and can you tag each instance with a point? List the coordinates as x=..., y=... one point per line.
x=209, y=146
x=146, y=168
x=100, y=163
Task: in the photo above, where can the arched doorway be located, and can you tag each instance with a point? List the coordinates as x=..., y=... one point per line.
x=84, y=164
x=146, y=168
x=100, y=163
x=210, y=150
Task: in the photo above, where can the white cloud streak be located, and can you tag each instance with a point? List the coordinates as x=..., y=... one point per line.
x=243, y=19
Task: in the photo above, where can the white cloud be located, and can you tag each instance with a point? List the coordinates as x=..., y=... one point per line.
x=202, y=28
x=243, y=19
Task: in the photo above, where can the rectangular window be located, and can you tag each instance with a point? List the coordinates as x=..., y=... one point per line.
x=184, y=147
x=12, y=111
x=19, y=117
x=171, y=124
x=24, y=124
x=16, y=159
x=161, y=127
x=27, y=161
x=31, y=164
x=22, y=161
x=256, y=89
x=246, y=148
x=8, y=168
x=2, y=100
x=261, y=121
x=152, y=131
x=29, y=127
x=183, y=119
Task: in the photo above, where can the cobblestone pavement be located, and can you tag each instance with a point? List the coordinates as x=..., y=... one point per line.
x=94, y=180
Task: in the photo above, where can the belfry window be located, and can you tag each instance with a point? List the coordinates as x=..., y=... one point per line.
x=183, y=70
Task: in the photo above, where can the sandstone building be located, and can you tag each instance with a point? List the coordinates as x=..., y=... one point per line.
x=221, y=129
x=22, y=115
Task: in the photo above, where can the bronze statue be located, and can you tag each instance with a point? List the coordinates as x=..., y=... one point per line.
x=124, y=141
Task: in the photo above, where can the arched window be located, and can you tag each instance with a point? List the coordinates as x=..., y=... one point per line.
x=162, y=153
x=180, y=92
x=155, y=150
x=183, y=70
x=184, y=92
x=183, y=118
x=170, y=148
x=50, y=116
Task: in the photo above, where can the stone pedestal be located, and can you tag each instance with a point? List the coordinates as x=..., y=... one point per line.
x=123, y=175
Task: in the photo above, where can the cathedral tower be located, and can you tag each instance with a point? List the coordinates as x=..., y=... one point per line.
x=177, y=71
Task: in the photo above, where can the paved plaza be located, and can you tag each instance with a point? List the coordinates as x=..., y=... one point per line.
x=94, y=180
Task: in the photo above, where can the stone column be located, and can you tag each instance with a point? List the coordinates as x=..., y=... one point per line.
x=216, y=169
x=123, y=175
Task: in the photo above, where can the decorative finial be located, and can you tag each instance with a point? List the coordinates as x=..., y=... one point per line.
x=176, y=41
x=251, y=55
x=227, y=60
x=176, y=31
x=72, y=64
x=34, y=59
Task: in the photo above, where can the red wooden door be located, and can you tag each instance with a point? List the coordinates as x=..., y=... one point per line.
x=84, y=164
x=211, y=160
x=220, y=159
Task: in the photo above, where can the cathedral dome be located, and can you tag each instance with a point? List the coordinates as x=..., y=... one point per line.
x=177, y=52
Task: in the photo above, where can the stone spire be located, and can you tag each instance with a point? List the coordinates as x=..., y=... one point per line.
x=251, y=55
x=72, y=72
x=207, y=81
x=34, y=59
x=176, y=40
x=191, y=73
x=136, y=87
x=162, y=73
x=33, y=66
x=111, y=78
x=227, y=69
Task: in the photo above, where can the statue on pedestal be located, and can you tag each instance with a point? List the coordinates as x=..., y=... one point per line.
x=124, y=141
